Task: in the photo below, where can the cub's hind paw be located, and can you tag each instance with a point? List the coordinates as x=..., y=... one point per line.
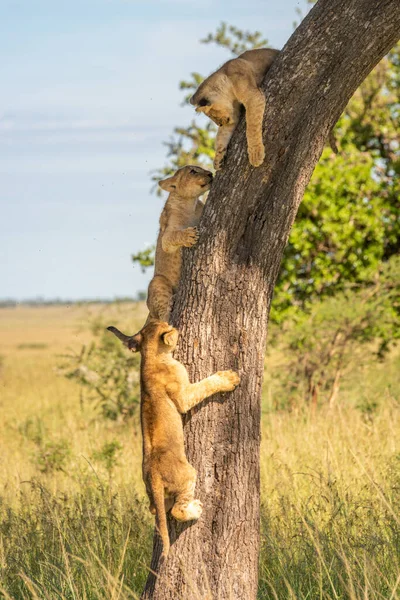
x=256, y=155
x=230, y=379
x=193, y=510
x=191, y=237
x=187, y=512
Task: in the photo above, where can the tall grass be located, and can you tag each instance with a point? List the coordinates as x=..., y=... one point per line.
x=331, y=506
x=74, y=522
x=93, y=544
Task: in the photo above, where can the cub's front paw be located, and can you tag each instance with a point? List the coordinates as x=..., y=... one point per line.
x=219, y=160
x=256, y=155
x=191, y=237
x=230, y=379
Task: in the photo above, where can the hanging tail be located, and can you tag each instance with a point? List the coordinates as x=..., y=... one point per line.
x=121, y=336
x=131, y=341
x=157, y=488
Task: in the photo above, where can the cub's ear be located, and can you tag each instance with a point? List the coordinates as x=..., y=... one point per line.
x=169, y=184
x=170, y=338
x=135, y=342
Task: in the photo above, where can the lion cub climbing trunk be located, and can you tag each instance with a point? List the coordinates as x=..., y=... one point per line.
x=166, y=393
x=178, y=228
x=222, y=94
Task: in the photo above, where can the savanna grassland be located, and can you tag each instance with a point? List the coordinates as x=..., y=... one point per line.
x=73, y=516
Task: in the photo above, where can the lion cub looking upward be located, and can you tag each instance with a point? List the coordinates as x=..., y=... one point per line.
x=221, y=95
x=178, y=221
x=166, y=393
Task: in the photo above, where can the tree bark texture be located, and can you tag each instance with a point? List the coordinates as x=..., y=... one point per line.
x=223, y=302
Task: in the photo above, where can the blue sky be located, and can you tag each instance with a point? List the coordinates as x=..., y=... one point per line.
x=88, y=95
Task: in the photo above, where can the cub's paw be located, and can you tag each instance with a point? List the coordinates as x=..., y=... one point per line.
x=194, y=510
x=230, y=379
x=219, y=160
x=256, y=155
x=191, y=236
x=187, y=512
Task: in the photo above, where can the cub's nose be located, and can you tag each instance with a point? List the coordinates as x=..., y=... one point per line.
x=191, y=100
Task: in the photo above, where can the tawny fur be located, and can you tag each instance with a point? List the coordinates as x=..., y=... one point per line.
x=222, y=94
x=178, y=228
x=166, y=393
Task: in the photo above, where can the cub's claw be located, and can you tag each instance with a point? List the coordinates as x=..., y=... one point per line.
x=191, y=237
x=256, y=155
x=218, y=161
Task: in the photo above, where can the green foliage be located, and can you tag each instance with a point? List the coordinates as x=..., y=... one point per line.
x=371, y=123
x=145, y=258
x=49, y=455
x=349, y=220
x=108, y=375
x=53, y=455
x=337, y=335
x=234, y=39
x=33, y=429
x=108, y=455
x=339, y=234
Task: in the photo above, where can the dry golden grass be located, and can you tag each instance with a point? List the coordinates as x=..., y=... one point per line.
x=36, y=401
x=73, y=521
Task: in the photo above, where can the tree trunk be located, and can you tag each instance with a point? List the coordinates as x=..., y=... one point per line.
x=227, y=284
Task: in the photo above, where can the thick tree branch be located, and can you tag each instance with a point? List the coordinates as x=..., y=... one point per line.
x=228, y=280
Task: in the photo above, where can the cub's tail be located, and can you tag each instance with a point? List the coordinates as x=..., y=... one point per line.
x=157, y=487
x=132, y=342
x=121, y=336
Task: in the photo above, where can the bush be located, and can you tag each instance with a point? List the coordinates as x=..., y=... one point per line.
x=336, y=334
x=108, y=374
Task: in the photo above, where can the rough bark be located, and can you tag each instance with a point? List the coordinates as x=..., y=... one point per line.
x=228, y=279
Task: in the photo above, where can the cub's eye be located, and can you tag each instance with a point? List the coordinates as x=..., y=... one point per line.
x=204, y=102
x=193, y=172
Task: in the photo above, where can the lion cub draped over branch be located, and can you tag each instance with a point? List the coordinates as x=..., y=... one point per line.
x=178, y=228
x=166, y=393
x=221, y=95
